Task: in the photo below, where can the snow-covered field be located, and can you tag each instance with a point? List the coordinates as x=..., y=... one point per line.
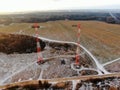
x=9, y=64
x=21, y=67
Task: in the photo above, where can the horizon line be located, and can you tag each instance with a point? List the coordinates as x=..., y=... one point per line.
x=69, y=10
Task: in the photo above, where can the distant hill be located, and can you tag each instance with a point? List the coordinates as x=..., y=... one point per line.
x=58, y=15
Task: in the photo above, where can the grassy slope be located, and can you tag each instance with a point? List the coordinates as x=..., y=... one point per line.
x=102, y=39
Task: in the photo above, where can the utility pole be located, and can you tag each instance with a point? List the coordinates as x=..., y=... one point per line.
x=77, y=57
x=39, y=55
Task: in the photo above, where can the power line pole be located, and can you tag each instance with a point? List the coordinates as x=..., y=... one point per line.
x=39, y=55
x=77, y=57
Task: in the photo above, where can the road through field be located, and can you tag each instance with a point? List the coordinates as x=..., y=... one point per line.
x=105, y=64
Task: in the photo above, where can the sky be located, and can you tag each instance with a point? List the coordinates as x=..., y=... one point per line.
x=8, y=6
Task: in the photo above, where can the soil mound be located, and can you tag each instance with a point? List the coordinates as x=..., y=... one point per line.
x=11, y=43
